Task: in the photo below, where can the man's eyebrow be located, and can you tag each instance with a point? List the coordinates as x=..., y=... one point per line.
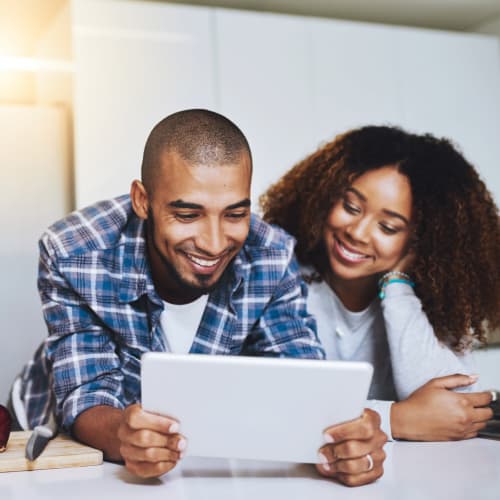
x=195, y=206
x=185, y=204
x=240, y=204
x=386, y=211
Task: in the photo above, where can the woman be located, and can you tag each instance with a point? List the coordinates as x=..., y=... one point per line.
x=399, y=240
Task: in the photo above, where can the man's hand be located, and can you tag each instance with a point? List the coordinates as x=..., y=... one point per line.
x=149, y=444
x=435, y=413
x=354, y=454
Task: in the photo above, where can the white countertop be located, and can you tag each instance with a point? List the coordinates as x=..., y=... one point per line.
x=461, y=470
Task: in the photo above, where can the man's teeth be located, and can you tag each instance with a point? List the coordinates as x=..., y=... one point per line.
x=203, y=262
x=349, y=254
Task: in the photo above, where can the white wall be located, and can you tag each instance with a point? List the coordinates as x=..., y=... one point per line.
x=56, y=87
x=135, y=63
x=289, y=82
x=34, y=176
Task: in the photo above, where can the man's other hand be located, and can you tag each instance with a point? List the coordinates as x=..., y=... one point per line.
x=354, y=452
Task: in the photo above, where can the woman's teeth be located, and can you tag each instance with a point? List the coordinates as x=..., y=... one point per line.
x=351, y=255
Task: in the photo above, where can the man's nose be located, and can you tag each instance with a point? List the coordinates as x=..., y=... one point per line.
x=212, y=240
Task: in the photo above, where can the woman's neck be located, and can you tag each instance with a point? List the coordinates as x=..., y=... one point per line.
x=357, y=294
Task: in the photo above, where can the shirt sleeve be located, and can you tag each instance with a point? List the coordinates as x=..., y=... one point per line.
x=416, y=354
x=285, y=328
x=85, y=365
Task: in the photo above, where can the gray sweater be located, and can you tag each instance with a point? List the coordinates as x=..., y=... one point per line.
x=394, y=335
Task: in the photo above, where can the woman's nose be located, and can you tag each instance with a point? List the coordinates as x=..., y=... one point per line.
x=359, y=230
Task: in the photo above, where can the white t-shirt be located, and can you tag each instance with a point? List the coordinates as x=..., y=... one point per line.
x=180, y=323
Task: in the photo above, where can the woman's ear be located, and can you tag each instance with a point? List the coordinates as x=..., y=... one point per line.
x=140, y=199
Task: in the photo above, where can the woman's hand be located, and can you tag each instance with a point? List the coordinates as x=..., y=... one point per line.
x=436, y=413
x=405, y=263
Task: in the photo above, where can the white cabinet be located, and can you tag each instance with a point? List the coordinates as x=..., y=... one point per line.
x=450, y=86
x=135, y=63
x=289, y=82
x=353, y=82
x=264, y=86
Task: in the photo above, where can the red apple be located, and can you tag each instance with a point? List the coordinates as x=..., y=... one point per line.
x=5, y=424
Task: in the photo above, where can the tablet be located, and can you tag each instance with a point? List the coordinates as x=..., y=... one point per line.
x=253, y=407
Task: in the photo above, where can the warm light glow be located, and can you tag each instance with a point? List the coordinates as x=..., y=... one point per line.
x=31, y=64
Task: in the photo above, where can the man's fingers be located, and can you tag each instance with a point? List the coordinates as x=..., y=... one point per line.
x=353, y=448
x=136, y=418
x=363, y=464
x=355, y=479
x=360, y=479
x=153, y=455
x=148, y=469
x=145, y=438
x=358, y=465
x=359, y=429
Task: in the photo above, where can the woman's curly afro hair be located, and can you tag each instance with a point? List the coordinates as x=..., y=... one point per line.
x=456, y=225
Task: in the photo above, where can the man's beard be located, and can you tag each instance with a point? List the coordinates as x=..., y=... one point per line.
x=188, y=288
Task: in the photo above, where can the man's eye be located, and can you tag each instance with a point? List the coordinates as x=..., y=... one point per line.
x=236, y=215
x=350, y=208
x=186, y=217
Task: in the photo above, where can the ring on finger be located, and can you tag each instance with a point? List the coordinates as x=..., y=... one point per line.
x=370, y=462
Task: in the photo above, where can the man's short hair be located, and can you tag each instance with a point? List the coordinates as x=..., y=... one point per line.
x=198, y=136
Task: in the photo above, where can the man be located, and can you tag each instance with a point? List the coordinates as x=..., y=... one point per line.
x=120, y=278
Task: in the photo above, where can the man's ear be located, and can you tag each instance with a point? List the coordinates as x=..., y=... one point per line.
x=139, y=198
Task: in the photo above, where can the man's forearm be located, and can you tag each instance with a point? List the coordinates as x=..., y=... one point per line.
x=98, y=427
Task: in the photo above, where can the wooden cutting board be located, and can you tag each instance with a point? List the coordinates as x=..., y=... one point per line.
x=60, y=452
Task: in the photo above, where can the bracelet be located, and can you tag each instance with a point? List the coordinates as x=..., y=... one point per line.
x=390, y=274
x=387, y=279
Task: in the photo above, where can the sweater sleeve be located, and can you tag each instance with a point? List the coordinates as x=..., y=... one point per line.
x=416, y=354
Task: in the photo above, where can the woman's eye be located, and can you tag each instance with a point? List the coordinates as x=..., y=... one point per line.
x=388, y=229
x=352, y=209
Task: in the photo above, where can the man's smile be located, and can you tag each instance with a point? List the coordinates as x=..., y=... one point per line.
x=205, y=265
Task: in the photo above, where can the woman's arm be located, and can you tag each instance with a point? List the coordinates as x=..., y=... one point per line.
x=427, y=374
x=417, y=356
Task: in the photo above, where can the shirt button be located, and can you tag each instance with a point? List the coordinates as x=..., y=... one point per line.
x=339, y=332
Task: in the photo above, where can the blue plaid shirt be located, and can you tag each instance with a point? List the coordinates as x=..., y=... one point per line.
x=102, y=310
